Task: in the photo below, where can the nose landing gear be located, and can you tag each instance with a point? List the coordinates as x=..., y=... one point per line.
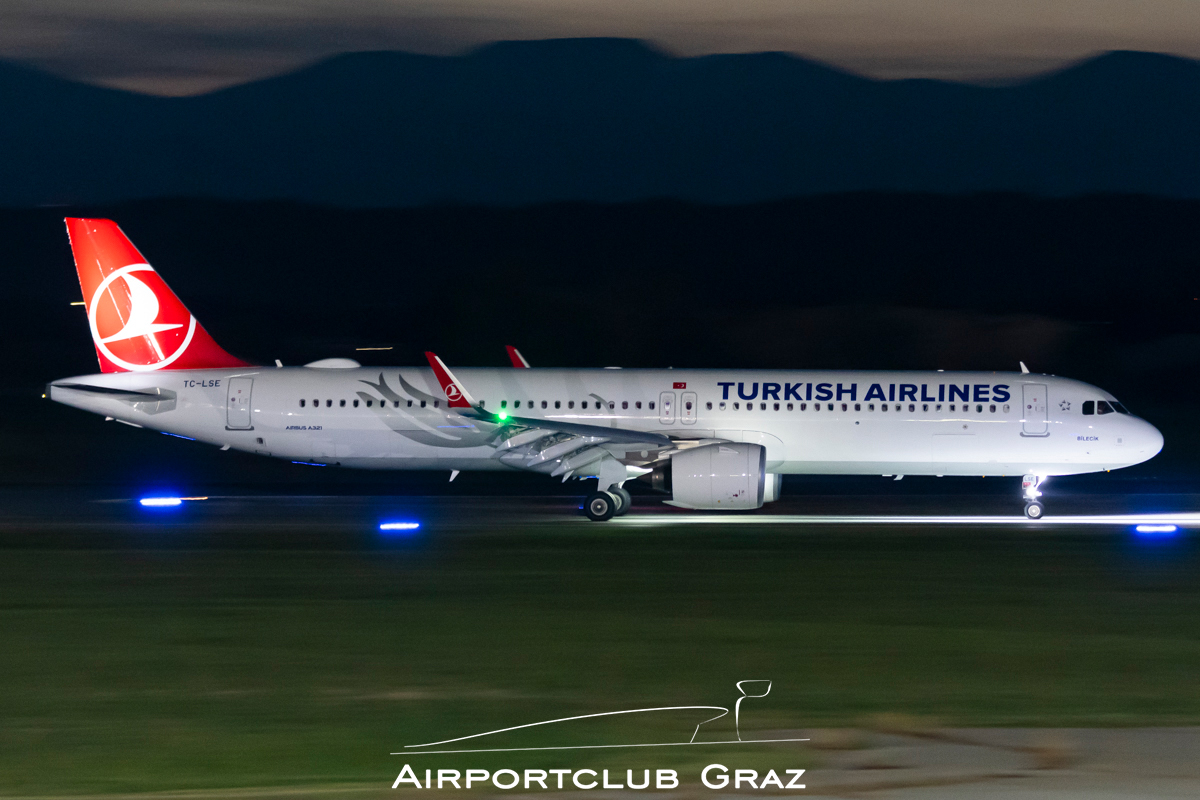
x=1030, y=485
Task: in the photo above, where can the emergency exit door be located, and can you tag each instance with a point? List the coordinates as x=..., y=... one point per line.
x=1034, y=421
x=687, y=408
x=666, y=408
x=237, y=404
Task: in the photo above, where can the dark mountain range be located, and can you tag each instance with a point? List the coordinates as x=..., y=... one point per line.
x=601, y=120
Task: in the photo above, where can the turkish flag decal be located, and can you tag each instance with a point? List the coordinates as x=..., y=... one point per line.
x=679, y=385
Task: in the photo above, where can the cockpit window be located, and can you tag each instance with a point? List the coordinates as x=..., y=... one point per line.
x=1089, y=408
x=1120, y=408
x=1102, y=407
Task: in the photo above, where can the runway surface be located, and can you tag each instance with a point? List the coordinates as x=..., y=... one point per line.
x=83, y=515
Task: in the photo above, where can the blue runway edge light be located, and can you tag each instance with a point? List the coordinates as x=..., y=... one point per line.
x=161, y=502
x=399, y=526
x=1156, y=531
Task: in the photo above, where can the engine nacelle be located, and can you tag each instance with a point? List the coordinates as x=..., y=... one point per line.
x=719, y=477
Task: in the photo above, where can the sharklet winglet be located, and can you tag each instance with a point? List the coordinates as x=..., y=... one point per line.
x=456, y=393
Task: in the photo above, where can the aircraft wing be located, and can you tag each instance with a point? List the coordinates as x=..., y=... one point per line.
x=555, y=447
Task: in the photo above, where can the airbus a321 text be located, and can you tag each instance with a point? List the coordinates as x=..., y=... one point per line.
x=713, y=439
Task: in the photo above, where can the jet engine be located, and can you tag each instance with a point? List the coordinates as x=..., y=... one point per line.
x=719, y=476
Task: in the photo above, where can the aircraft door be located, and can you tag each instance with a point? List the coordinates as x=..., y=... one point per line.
x=1034, y=421
x=237, y=404
x=666, y=408
x=687, y=408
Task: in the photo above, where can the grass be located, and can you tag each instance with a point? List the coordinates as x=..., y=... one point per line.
x=137, y=670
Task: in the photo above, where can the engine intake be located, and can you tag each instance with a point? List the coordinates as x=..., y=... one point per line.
x=719, y=477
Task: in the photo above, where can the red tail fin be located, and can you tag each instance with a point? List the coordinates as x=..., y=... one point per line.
x=137, y=322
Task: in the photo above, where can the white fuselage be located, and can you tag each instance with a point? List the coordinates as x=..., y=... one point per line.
x=814, y=422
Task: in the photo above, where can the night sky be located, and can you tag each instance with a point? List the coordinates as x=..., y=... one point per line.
x=196, y=45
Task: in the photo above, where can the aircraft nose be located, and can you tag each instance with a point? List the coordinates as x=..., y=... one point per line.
x=1150, y=441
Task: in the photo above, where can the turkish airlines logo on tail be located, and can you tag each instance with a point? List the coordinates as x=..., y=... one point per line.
x=453, y=392
x=130, y=325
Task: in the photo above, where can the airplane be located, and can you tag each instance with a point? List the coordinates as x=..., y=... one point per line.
x=714, y=439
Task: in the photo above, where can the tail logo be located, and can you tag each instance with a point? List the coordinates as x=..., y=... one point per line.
x=130, y=329
x=453, y=392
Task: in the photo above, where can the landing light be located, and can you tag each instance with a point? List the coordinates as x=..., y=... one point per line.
x=399, y=526
x=1156, y=530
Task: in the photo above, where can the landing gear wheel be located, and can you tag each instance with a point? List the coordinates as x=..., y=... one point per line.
x=1034, y=510
x=625, y=499
x=600, y=506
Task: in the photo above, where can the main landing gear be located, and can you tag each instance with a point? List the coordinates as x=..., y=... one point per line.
x=1030, y=485
x=602, y=506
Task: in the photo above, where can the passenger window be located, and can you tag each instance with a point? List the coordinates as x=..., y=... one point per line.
x=558, y=403
x=845, y=407
x=651, y=405
x=736, y=406
x=992, y=408
x=302, y=404
x=830, y=406
x=883, y=407
x=858, y=407
x=516, y=403
x=395, y=404
x=870, y=406
x=979, y=409
x=722, y=405
x=612, y=406
x=708, y=405
x=938, y=407
x=423, y=404
x=356, y=404
x=368, y=404
x=503, y=404
x=777, y=406
x=341, y=403
x=804, y=406
x=583, y=404
x=625, y=405
x=912, y=407
x=1102, y=407
x=570, y=404
x=816, y=406
x=410, y=403
x=437, y=403
x=1006, y=408
x=638, y=404
x=952, y=406
x=790, y=407
x=897, y=407
x=688, y=405
x=329, y=404
x=543, y=404
x=750, y=406
x=924, y=407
